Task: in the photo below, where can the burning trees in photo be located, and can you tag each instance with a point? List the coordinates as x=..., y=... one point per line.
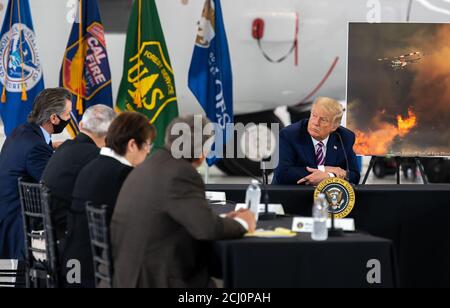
x=399, y=89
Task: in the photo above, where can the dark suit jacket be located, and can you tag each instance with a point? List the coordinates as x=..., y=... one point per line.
x=160, y=226
x=99, y=182
x=24, y=155
x=297, y=152
x=61, y=173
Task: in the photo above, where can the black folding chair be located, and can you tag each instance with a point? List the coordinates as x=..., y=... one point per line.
x=100, y=245
x=41, y=261
x=12, y=274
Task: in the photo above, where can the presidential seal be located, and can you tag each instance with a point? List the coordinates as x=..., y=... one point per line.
x=19, y=61
x=340, y=196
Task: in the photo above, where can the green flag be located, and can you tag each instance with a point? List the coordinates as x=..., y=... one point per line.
x=148, y=84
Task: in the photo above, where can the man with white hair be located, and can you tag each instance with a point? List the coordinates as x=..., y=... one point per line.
x=65, y=165
x=316, y=149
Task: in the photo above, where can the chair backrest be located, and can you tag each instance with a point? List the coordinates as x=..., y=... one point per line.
x=41, y=261
x=12, y=274
x=100, y=245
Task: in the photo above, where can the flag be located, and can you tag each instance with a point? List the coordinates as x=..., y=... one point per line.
x=210, y=74
x=85, y=70
x=148, y=84
x=21, y=76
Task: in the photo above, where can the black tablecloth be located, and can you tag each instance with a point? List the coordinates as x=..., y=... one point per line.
x=300, y=262
x=414, y=217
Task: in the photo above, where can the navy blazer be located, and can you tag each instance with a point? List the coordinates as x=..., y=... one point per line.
x=24, y=155
x=297, y=152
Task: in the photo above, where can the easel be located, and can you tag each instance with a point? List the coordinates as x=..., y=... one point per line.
x=419, y=165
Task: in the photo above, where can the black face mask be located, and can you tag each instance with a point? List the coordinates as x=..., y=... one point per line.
x=58, y=129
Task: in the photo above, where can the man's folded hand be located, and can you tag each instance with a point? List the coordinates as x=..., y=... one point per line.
x=340, y=173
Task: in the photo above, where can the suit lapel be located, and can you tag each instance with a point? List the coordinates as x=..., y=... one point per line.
x=308, y=147
x=332, y=151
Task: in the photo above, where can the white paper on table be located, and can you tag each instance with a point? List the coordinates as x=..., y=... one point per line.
x=273, y=207
x=216, y=197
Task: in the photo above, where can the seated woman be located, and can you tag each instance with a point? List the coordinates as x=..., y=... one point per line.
x=128, y=144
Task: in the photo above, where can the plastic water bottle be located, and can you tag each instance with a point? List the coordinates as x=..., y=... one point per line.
x=320, y=217
x=253, y=198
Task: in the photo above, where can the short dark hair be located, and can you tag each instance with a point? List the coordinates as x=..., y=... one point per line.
x=128, y=126
x=48, y=102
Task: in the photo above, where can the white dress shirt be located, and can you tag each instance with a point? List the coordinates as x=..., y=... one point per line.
x=47, y=136
x=110, y=153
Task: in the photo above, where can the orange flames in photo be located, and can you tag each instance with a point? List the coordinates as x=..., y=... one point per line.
x=378, y=142
x=406, y=125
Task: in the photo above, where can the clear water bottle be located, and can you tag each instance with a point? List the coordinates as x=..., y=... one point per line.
x=320, y=217
x=253, y=198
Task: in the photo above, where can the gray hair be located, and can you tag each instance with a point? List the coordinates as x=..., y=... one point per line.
x=47, y=103
x=97, y=119
x=188, y=137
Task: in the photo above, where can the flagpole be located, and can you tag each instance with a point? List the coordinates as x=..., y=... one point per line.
x=207, y=173
x=79, y=105
x=24, y=89
x=138, y=94
x=3, y=98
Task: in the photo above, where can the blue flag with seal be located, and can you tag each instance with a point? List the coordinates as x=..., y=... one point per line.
x=21, y=76
x=210, y=74
x=85, y=70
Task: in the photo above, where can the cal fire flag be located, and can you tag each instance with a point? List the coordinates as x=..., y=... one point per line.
x=85, y=70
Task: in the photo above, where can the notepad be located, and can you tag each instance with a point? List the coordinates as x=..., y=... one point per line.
x=277, y=233
x=275, y=208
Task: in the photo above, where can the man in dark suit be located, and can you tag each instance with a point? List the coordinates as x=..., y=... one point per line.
x=63, y=168
x=25, y=155
x=316, y=149
x=162, y=219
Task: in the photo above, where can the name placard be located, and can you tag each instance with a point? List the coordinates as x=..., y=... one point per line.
x=305, y=224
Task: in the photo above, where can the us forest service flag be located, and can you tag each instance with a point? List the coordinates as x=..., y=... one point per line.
x=148, y=84
x=210, y=74
x=85, y=71
x=21, y=76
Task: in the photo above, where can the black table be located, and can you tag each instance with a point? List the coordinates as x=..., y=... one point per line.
x=414, y=217
x=300, y=262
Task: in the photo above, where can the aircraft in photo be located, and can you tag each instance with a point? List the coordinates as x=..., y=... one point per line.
x=402, y=62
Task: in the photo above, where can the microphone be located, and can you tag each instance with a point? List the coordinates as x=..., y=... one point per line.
x=347, y=178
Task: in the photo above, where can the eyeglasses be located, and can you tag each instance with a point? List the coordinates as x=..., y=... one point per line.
x=148, y=144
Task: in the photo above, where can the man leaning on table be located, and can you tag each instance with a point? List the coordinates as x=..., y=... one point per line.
x=318, y=148
x=162, y=220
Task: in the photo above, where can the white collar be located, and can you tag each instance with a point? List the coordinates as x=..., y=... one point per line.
x=110, y=153
x=47, y=136
x=316, y=142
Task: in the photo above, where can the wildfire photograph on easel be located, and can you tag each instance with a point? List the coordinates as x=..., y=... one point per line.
x=399, y=89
